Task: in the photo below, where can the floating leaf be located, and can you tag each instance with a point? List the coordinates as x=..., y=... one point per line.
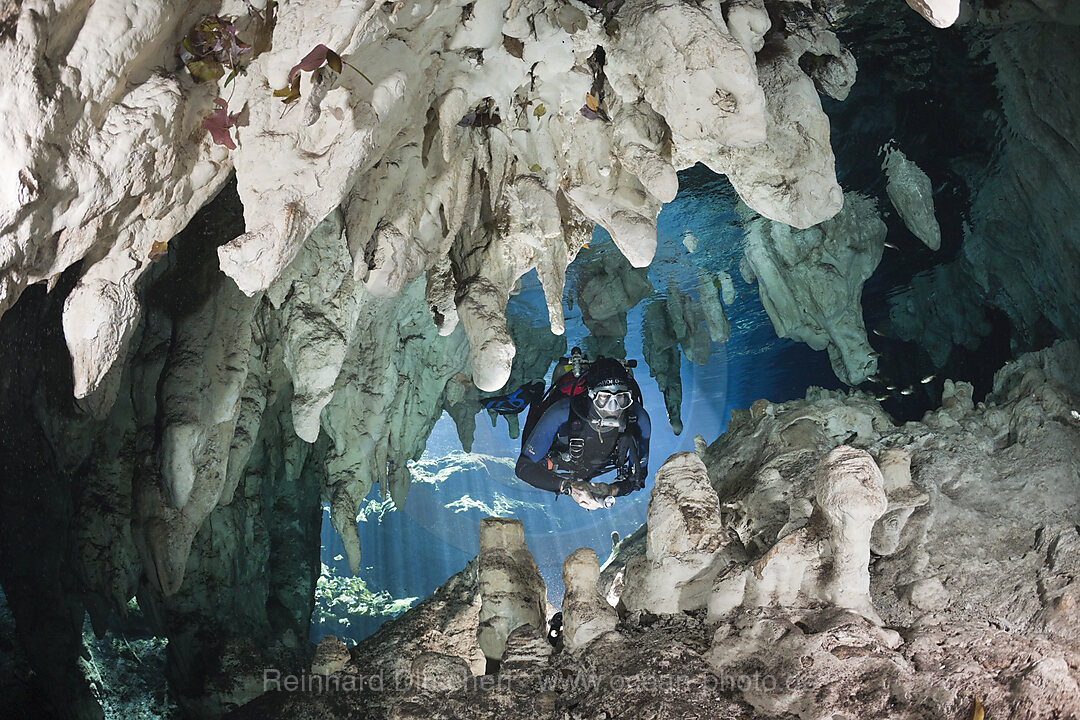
x=977, y=712
x=540, y=110
x=158, y=250
x=535, y=167
x=312, y=61
x=334, y=61
x=589, y=113
x=205, y=70
x=210, y=47
x=264, y=36
x=291, y=92
x=591, y=102
x=514, y=46
x=218, y=123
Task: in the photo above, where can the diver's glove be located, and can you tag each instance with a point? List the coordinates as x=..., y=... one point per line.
x=631, y=478
x=590, y=495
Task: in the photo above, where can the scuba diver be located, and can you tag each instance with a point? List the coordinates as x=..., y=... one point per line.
x=590, y=422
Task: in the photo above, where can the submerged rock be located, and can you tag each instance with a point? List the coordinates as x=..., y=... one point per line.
x=686, y=545
x=811, y=281
x=912, y=195
x=825, y=562
x=511, y=590
x=818, y=647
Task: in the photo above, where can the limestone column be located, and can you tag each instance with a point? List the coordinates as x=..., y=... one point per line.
x=586, y=614
x=686, y=546
x=511, y=588
x=851, y=495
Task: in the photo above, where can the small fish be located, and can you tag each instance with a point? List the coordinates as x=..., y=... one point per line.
x=873, y=354
x=879, y=333
x=614, y=538
x=890, y=245
x=882, y=398
x=906, y=391
x=874, y=378
x=339, y=558
x=928, y=378
x=890, y=388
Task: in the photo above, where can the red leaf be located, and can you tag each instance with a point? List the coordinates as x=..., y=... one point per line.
x=312, y=61
x=218, y=123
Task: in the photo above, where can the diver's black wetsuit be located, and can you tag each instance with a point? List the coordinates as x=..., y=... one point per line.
x=563, y=445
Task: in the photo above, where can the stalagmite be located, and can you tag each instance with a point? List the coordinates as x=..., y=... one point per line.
x=817, y=647
x=586, y=614
x=826, y=562
x=904, y=498
x=687, y=546
x=512, y=591
x=331, y=655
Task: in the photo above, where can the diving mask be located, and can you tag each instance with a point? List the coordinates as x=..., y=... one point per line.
x=612, y=400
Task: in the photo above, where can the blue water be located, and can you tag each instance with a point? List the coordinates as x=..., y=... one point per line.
x=411, y=552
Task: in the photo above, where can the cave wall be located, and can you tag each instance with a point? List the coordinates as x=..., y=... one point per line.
x=365, y=289
x=817, y=558
x=1020, y=247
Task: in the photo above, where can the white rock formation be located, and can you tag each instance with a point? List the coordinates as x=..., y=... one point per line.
x=201, y=381
x=376, y=422
x=939, y=13
x=709, y=299
x=825, y=562
x=687, y=546
x=912, y=195
x=980, y=624
x=795, y=129
x=811, y=281
x=511, y=590
x=366, y=216
x=727, y=288
x=586, y=614
x=472, y=208
x=904, y=497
